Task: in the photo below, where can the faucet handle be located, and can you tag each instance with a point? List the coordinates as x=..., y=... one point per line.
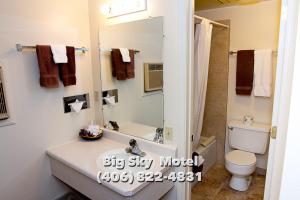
x=160, y=131
x=132, y=142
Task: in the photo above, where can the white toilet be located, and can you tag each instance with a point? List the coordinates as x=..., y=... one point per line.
x=246, y=141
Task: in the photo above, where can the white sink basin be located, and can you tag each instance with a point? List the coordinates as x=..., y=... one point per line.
x=121, y=155
x=78, y=164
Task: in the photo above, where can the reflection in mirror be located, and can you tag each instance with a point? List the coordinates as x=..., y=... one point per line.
x=132, y=77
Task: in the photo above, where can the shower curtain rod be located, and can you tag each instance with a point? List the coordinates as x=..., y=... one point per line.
x=212, y=22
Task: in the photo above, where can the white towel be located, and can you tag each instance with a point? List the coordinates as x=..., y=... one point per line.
x=263, y=73
x=59, y=53
x=125, y=55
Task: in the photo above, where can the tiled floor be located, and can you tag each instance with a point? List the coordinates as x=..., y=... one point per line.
x=214, y=186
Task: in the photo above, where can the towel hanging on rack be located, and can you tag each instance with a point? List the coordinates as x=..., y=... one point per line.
x=50, y=72
x=244, y=72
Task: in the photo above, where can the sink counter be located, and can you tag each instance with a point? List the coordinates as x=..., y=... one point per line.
x=82, y=157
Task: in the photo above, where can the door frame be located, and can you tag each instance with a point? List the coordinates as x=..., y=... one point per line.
x=190, y=79
x=281, y=105
x=283, y=87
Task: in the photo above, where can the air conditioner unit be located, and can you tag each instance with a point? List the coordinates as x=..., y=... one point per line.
x=153, y=77
x=3, y=103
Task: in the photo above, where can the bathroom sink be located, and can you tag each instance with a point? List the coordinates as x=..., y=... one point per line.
x=124, y=159
x=80, y=165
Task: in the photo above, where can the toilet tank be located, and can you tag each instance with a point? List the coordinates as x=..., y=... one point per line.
x=252, y=138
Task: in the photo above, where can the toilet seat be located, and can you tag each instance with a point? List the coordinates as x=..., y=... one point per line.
x=241, y=158
x=241, y=165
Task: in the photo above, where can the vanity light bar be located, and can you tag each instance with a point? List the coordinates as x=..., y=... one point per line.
x=21, y=47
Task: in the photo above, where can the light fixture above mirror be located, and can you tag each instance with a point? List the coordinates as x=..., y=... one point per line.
x=115, y=8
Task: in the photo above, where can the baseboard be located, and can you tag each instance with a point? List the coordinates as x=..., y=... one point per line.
x=261, y=171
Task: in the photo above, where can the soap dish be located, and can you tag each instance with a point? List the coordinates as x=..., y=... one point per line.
x=86, y=135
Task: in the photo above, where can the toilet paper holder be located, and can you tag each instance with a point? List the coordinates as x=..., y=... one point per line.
x=76, y=106
x=111, y=93
x=71, y=100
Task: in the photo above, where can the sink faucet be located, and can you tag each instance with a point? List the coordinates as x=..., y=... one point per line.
x=114, y=125
x=134, y=148
x=159, y=136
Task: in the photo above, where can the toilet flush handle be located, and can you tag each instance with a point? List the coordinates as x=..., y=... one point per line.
x=230, y=128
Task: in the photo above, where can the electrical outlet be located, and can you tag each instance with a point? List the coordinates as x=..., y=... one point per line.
x=168, y=133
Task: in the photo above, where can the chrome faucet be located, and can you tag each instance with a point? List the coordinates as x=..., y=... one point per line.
x=134, y=148
x=159, y=136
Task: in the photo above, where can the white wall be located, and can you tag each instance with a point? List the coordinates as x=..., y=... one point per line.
x=251, y=27
x=134, y=105
x=38, y=112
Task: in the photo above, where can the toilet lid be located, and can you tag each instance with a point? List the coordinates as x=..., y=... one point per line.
x=238, y=157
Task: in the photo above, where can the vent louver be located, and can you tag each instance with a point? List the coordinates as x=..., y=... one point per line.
x=153, y=77
x=3, y=104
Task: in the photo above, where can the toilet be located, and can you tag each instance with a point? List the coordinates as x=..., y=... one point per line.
x=245, y=141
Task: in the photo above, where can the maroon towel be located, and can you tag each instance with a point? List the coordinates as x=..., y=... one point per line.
x=130, y=66
x=118, y=66
x=244, y=72
x=48, y=69
x=67, y=71
x=122, y=70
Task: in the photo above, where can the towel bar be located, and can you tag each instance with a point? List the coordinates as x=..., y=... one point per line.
x=108, y=50
x=21, y=47
x=235, y=52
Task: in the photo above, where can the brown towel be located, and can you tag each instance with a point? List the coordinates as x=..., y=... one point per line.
x=244, y=72
x=118, y=66
x=67, y=71
x=120, y=69
x=130, y=66
x=48, y=69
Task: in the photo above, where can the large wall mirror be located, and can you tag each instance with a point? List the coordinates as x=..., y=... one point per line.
x=132, y=77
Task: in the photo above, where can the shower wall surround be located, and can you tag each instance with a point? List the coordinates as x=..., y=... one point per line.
x=215, y=113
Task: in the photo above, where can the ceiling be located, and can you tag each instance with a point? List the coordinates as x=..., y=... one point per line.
x=210, y=4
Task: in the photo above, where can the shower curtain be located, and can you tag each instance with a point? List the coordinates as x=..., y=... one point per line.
x=202, y=45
